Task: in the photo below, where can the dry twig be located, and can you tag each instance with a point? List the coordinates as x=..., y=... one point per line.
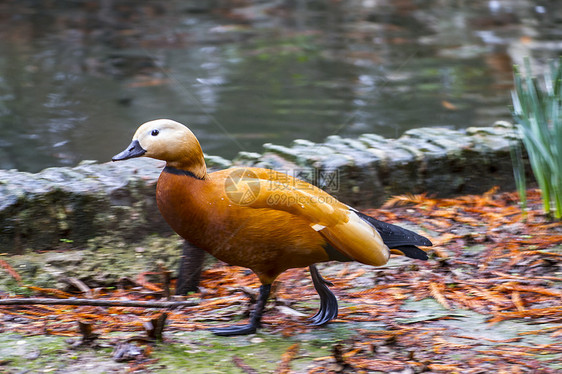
x=97, y=302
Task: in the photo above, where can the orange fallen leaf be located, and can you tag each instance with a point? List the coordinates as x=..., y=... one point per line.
x=10, y=270
x=516, y=297
x=286, y=358
x=141, y=280
x=51, y=291
x=435, y=290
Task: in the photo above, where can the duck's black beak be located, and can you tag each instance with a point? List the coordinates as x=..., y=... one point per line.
x=133, y=150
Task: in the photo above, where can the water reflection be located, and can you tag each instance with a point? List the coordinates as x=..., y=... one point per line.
x=77, y=77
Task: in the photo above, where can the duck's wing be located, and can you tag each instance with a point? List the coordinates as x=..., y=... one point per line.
x=340, y=226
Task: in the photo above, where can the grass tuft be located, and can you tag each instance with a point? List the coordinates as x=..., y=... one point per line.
x=537, y=110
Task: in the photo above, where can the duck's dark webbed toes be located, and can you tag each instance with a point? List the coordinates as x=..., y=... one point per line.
x=328, y=302
x=255, y=318
x=235, y=330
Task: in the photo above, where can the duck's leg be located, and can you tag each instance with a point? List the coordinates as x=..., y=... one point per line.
x=255, y=318
x=191, y=264
x=328, y=302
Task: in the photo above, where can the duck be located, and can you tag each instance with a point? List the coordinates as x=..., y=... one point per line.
x=262, y=219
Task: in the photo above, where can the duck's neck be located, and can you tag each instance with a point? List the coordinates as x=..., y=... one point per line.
x=176, y=171
x=192, y=163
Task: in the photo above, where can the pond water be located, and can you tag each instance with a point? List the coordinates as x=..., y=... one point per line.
x=78, y=77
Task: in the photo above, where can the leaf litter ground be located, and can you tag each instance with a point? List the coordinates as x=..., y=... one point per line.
x=488, y=300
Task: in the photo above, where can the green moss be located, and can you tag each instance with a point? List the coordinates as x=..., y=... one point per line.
x=42, y=354
x=200, y=352
x=102, y=262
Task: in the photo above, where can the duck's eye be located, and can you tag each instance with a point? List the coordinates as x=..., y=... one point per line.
x=155, y=132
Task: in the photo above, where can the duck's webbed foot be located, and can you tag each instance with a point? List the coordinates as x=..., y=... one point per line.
x=235, y=330
x=255, y=318
x=328, y=302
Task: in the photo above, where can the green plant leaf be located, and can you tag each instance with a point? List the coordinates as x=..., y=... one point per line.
x=537, y=112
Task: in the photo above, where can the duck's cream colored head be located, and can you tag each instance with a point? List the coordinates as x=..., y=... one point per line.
x=170, y=141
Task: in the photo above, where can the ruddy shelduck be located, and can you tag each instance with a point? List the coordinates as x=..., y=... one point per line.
x=261, y=219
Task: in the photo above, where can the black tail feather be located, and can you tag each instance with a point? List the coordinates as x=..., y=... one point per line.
x=396, y=237
x=412, y=251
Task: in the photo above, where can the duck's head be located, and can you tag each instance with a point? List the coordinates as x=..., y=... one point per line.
x=167, y=140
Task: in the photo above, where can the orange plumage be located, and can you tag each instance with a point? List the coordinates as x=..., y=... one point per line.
x=265, y=240
x=261, y=219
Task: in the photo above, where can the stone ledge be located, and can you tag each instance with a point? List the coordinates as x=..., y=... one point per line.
x=61, y=208
x=369, y=169
x=65, y=208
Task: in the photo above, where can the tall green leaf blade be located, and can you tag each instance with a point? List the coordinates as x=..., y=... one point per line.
x=537, y=109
